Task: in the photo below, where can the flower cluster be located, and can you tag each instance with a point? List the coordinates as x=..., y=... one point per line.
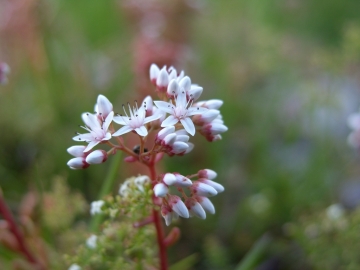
x=174, y=117
x=195, y=202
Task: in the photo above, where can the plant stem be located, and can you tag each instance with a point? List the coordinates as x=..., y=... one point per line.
x=106, y=188
x=7, y=215
x=158, y=226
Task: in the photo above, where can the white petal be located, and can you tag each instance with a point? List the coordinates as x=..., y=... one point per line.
x=96, y=157
x=86, y=137
x=181, y=99
x=182, y=138
x=169, y=121
x=152, y=118
x=122, y=131
x=165, y=131
x=185, y=83
x=173, y=88
x=77, y=163
x=211, y=104
x=91, y=145
x=160, y=190
x=119, y=119
x=198, y=211
x=169, y=179
x=196, y=110
x=76, y=150
x=164, y=106
x=205, y=190
x=163, y=78
x=218, y=187
x=142, y=131
x=207, y=173
x=179, y=147
x=206, y=204
x=195, y=92
x=154, y=72
x=108, y=120
x=169, y=139
x=104, y=106
x=188, y=125
x=190, y=147
x=179, y=207
x=148, y=105
x=91, y=121
x=182, y=181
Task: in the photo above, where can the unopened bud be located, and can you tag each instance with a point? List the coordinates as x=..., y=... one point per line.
x=97, y=157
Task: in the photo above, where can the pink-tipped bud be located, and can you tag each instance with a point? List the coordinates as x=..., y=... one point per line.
x=201, y=189
x=213, y=129
x=169, y=179
x=77, y=150
x=206, y=204
x=172, y=73
x=205, y=117
x=178, y=206
x=103, y=106
x=218, y=187
x=154, y=73
x=179, y=148
x=130, y=159
x=207, y=173
x=173, y=88
x=195, y=92
x=160, y=190
x=210, y=104
x=168, y=214
x=185, y=83
x=97, y=157
x=182, y=181
x=195, y=208
x=78, y=163
x=162, y=80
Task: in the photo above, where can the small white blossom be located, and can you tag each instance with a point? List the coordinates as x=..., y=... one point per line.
x=181, y=111
x=98, y=130
x=95, y=207
x=91, y=242
x=136, y=120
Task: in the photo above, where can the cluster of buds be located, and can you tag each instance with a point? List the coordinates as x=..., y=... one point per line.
x=193, y=199
x=175, y=116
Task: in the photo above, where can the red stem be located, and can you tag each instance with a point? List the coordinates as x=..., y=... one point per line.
x=158, y=226
x=5, y=211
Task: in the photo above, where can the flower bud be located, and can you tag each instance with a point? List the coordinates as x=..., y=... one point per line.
x=97, y=157
x=160, y=190
x=202, y=189
x=207, y=173
x=195, y=208
x=185, y=83
x=169, y=179
x=162, y=80
x=154, y=73
x=78, y=163
x=206, y=204
x=218, y=187
x=178, y=206
x=210, y=104
x=77, y=150
x=195, y=92
x=173, y=88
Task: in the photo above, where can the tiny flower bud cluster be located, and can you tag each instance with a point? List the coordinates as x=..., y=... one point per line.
x=194, y=202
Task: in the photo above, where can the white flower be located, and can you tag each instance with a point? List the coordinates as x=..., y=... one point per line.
x=136, y=121
x=180, y=112
x=98, y=130
x=95, y=207
x=91, y=241
x=74, y=266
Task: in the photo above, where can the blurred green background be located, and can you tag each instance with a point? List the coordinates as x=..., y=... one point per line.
x=288, y=72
